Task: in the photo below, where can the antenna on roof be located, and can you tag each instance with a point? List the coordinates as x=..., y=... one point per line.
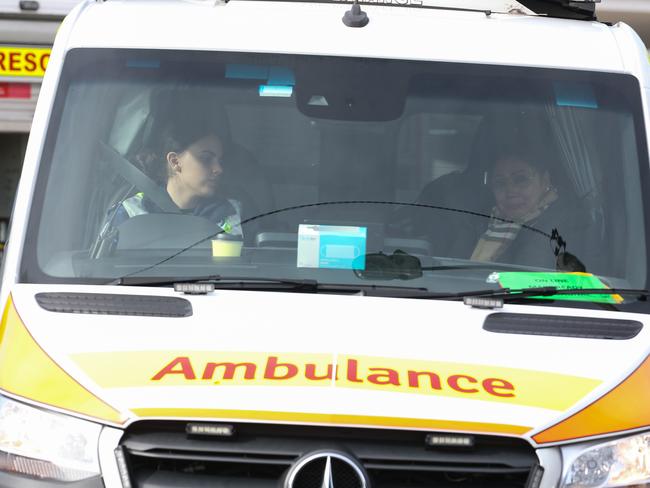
x=355, y=17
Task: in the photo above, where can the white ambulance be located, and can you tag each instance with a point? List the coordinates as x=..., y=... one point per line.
x=265, y=243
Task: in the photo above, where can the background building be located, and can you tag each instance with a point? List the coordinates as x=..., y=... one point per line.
x=633, y=12
x=27, y=30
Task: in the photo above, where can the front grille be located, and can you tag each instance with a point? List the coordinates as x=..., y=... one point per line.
x=163, y=455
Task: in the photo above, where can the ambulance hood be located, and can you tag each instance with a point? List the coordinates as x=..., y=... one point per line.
x=304, y=358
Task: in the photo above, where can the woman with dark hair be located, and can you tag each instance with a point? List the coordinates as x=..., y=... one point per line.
x=531, y=218
x=184, y=155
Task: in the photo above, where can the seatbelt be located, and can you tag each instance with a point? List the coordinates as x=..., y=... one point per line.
x=137, y=178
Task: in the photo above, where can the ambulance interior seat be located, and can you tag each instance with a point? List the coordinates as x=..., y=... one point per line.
x=450, y=229
x=244, y=180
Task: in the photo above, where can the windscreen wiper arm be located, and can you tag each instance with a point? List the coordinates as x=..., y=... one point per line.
x=511, y=294
x=275, y=284
x=210, y=279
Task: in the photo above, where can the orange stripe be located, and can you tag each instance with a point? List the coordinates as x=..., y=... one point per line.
x=27, y=371
x=623, y=408
x=331, y=419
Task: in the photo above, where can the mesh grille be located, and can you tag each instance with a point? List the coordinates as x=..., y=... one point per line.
x=344, y=475
x=311, y=475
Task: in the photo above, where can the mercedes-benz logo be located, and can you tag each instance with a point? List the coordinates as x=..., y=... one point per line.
x=326, y=469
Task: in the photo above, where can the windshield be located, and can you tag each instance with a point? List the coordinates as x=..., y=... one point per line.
x=340, y=170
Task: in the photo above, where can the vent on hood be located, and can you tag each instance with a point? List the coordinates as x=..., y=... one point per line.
x=562, y=326
x=110, y=304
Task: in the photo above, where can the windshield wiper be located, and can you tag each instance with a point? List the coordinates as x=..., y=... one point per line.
x=513, y=294
x=313, y=286
x=271, y=284
x=209, y=279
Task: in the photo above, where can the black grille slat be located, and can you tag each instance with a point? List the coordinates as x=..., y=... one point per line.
x=446, y=469
x=413, y=454
x=211, y=458
x=162, y=455
x=260, y=446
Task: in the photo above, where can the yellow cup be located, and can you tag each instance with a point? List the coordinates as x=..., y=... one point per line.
x=226, y=248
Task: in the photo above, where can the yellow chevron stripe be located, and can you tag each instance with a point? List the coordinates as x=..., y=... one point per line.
x=27, y=371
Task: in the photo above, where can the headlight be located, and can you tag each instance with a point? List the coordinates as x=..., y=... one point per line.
x=46, y=445
x=624, y=462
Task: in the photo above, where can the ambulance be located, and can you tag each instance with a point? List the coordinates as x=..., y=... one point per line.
x=432, y=271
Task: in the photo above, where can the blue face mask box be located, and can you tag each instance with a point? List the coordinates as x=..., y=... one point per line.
x=331, y=246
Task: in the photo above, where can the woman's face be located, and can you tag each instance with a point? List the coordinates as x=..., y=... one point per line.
x=518, y=187
x=197, y=169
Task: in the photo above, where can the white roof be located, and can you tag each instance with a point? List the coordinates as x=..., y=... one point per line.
x=316, y=28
